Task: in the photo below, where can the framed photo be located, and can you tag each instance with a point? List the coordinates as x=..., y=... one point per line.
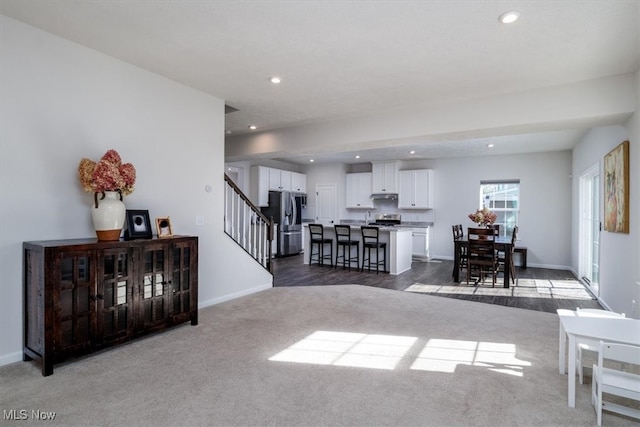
x=616, y=189
x=163, y=227
x=137, y=225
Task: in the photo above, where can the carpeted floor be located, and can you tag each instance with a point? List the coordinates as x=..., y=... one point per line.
x=320, y=356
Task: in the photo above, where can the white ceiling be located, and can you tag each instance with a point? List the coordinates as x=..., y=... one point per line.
x=342, y=58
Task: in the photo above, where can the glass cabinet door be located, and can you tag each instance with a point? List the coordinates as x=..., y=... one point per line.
x=115, y=294
x=77, y=294
x=154, y=285
x=181, y=278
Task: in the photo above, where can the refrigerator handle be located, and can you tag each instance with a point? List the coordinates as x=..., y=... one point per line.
x=294, y=209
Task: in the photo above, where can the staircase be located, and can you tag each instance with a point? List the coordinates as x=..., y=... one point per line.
x=246, y=225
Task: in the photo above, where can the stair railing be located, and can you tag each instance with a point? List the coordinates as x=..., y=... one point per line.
x=245, y=224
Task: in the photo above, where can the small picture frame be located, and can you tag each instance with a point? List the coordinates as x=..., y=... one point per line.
x=163, y=227
x=137, y=225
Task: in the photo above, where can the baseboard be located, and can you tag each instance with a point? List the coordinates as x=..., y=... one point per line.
x=604, y=304
x=229, y=297
x=10, y=358
x=550, y=266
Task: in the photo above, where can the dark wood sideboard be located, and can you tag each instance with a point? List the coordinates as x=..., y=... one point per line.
x=84, y=295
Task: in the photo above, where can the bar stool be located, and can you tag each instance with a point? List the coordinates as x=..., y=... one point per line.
x=318, y=240
x=371, y=240
x=343, y=240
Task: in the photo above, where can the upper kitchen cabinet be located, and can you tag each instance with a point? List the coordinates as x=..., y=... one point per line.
x=385, y=177
x=298, y=182
x=259, y=185
x=416, y=189
x=358, y=191
x=264, y=179
x=279, y=180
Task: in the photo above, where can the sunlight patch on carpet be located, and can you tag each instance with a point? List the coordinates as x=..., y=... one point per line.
x=376, y=351
x=440, y=355
x=526, y=288
x=348, y=349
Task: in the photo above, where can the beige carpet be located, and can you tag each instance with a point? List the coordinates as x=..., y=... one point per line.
x=319, y=356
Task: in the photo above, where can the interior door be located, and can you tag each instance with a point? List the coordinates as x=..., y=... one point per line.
x=326, y=204
x=590, y=228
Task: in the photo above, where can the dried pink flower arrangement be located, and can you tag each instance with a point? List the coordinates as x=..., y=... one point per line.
x=483, y=217
x=109, y=174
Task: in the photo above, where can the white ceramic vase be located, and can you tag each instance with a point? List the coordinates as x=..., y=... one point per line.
x=108, y=213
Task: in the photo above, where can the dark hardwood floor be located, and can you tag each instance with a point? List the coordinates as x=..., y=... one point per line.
x=539, y=284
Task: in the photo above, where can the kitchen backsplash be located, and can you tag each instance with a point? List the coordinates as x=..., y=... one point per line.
x=380, y=207
x=390, y=207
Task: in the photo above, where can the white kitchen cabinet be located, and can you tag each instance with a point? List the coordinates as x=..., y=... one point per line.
x=279, y=180
x=385, y=177
x=298, y=182
x=259, y=185
x=358, y=191
x=416, y=189
x=420, y=238
x=264, y=179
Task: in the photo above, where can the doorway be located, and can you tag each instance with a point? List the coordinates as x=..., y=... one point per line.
x=326, y=204
x=590, y=226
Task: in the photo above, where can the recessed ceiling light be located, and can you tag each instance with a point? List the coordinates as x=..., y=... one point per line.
x=311, y=160
x=253, y=127
x=509, y=17
x=275, y=80
x=357, y=156
x=490, y=145
x=412, y=152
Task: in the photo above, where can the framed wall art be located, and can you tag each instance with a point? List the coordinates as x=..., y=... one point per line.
x=616, y=189
x=163, y=227
x=137, y=225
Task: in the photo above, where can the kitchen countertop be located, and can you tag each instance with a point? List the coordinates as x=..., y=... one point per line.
x=404, y=224
x=356, y=226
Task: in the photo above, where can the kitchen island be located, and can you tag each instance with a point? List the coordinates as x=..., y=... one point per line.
x=398, y=239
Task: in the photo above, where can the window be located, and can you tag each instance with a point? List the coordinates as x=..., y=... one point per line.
x=503, y=198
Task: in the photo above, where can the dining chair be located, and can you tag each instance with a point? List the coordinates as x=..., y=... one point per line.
x=503, y=254
x=318, y=241
x=481, y=254
x=371, y=240
x=458, y=233
x=344, y=242
x=586, y=344
x=618, y=379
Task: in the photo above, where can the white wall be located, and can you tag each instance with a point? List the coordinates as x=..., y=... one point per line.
x=325, y=174
x=61, y=102
x=545, y=200
x=619, y=252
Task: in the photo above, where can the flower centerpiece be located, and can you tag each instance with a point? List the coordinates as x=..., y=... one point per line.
x=112, y=179
x=483, y=217
x=108, y=174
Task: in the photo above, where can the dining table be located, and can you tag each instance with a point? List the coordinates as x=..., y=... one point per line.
x=503, y=243
x=622, y=330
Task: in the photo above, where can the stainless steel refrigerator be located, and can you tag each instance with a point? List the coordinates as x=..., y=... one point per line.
x=286, y=210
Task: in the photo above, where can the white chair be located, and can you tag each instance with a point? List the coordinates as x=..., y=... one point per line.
x=586, y=344
x=616, y=379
